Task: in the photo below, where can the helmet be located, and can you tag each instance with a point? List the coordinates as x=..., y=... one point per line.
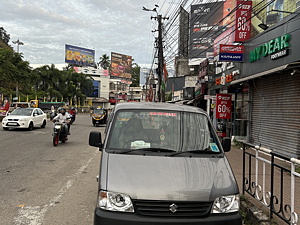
x=59, y=109
x=63, y=111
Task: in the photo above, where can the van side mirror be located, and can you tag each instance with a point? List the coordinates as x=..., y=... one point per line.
x=95, y=139
x=226, y=144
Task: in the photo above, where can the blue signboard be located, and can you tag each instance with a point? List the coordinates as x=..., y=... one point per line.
x=236, y=57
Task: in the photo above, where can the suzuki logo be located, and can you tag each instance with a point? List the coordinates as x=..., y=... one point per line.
x=173, y=208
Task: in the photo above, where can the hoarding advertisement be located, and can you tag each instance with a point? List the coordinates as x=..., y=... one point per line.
x=243, y=21
x=227, y=37
x=121, y=65
x=204, y=27
x=223, y=106
x=79, y=56
x=231, y=53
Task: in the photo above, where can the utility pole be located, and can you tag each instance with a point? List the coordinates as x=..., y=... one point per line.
x=159, y=18
x=17, y=42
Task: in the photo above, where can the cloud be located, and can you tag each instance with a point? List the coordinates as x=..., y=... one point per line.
x=105, y=26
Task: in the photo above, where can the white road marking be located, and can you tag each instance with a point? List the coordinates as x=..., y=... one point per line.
x=34, y=215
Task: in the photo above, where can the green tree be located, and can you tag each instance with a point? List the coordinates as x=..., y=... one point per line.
x=48, y=81
x=64, y=85
x=4, y=37
x=104, y=62
x=78, y=85
x=135, y=72
x=14, y=71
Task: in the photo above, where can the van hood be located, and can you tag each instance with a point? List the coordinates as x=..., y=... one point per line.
x=170, y=178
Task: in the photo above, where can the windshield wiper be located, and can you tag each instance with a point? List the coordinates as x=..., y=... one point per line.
x=203, y=151
x=148, y=149
x=200, y=151
x=158, y=149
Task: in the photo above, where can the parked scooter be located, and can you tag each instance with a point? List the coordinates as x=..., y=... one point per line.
x=59, y=133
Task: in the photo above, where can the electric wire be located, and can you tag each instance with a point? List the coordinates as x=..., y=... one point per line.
x=262, y=8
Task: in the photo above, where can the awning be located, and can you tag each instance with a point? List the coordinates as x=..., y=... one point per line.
x=279, y=68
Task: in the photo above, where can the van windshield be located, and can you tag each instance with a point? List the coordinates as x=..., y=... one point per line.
x=172, y=131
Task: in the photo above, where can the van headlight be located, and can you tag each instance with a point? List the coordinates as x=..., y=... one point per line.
x=226, y=204
x=114, y=201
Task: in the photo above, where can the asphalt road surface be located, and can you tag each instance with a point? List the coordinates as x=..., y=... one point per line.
x=45, y=185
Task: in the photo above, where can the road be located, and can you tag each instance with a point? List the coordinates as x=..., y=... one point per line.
x=45, y=185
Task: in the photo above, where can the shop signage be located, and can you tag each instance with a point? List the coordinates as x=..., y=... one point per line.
x=243, y=21
x=231, y=53
x=223, y=106
x=227, y=78
x=207, y=97
x=276, y=48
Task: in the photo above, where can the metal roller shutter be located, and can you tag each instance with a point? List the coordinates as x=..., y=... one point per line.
x=275, y=116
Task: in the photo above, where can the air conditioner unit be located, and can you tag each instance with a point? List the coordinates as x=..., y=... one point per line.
x=272, y=18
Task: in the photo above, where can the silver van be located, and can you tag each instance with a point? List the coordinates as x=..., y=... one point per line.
x=163, y=163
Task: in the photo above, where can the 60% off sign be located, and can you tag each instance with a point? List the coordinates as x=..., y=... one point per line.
x=223, y=106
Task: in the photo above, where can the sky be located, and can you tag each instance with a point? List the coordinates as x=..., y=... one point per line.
x=46, y=26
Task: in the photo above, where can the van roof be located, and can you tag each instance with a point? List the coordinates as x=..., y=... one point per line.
x=158, y=105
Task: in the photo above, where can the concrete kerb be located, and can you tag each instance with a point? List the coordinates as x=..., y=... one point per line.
x=253, y=215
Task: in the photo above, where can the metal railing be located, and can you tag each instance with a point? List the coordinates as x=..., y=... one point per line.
x=272, y=179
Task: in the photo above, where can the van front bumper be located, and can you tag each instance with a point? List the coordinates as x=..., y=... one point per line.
x=117, y=218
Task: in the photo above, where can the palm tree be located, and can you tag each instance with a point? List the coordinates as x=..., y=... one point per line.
x=104, y=62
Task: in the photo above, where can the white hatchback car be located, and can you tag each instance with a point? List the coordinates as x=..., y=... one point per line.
x=25, y=118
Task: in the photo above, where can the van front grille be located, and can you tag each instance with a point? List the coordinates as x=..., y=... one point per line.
x=172, y=209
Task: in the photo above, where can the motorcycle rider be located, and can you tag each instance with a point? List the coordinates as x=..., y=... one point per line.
x=72, y=113
x=63, y=117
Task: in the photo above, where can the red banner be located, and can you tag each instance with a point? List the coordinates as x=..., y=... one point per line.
x=223, y=106
x=243, y=21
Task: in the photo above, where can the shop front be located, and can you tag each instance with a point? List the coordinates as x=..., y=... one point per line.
x=270, y=74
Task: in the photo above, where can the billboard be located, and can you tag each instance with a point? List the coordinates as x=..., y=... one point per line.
x=227, y=37
x=79, y=56
x=121, y=65
x=205, y=27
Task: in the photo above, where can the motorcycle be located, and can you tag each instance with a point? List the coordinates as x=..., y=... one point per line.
x=73, y=117
x=59, y=133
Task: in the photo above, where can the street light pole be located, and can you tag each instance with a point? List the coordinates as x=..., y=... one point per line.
x=18, y=43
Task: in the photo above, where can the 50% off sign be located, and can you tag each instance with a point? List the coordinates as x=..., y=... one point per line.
x=223, y=106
